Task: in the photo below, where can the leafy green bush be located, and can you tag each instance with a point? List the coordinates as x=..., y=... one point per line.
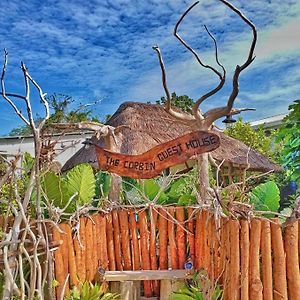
x=200, y=287
x=265, y=197
x=89, y=291
x=79, y=184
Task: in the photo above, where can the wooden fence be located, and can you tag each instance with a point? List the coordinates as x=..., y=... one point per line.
x=251, y=260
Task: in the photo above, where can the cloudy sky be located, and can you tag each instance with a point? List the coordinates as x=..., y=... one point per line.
x=102, y=49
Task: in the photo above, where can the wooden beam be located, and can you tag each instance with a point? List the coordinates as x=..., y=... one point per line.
x=147, y=275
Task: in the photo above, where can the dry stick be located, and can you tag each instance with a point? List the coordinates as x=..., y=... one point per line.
x=125, y=242
x=180, y=237
x=117, y=241
x=255, y=287
x=279, y=266
x=234, y=292
x=145, y=250
x=163, y=239
x=59, y=265
x=198, y=238
x=245, y=245
x=153, y=256
x=266, y=256
x=110, y=243
x=71, y=256
x=172, y=240
x=89, y=250
x=191, y=234
x=292, y=260
x=135, y=242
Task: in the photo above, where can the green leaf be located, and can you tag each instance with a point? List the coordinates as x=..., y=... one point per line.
x=81, y=180
x=103, y=183
x=151, y=188
x=266, y=196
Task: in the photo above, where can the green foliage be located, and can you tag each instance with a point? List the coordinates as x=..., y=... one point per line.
x=185, y=103
x=79, y=183
x=289, y=137
x=103, y=183
x=265, y=197
x=198, y=288
x=256, y=139
x=89, y=291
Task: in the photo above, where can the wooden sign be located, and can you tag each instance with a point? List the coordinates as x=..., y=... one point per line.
x=159, y=158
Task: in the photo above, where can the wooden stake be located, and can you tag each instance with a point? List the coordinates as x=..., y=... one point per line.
x=125, y=241
x=117, y=240
x=266, y=256
x=198, y=238
x=135, y=241
x=153, y=257
x=172, y=238
x=191, y=235
x=245, y=245
x=145, y=253
x=60, y=274
x=71, y=255
x=234, y=291
x=110, y=243
x=90, y=270
x=163, y=239
x=292, y=260
x=180, y=237
x=255, y=287
x=279, y=266
x=103, y=257
x=226, y=257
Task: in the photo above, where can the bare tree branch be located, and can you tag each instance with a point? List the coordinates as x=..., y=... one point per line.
x=250, y=58
x=11, y=103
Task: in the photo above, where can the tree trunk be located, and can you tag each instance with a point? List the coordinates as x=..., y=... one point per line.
x=203, y=170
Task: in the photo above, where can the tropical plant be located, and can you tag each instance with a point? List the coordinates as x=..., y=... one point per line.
x=89, y=291
x=76, y=188
x=200, y=287
x=289, y=137
x=265, y=197
x=254, y=138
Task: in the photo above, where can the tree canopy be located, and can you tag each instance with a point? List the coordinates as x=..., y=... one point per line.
x=61, y=113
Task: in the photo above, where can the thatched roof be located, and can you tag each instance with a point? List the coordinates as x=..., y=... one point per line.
x=150, y=125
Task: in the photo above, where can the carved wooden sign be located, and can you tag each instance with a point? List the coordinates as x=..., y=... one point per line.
x=159, y=158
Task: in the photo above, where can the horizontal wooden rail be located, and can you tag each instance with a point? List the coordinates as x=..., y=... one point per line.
x=147, y=275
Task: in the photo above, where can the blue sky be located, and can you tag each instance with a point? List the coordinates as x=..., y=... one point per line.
x=95, y=50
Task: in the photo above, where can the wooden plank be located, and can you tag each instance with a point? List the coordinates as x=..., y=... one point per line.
x=159, y=158
x=147, y=275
